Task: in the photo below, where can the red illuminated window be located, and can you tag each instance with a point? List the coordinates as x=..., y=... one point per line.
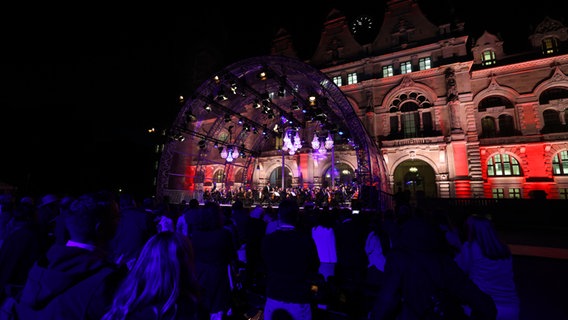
x=503, y=165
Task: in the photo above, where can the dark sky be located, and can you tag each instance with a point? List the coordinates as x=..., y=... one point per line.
x=81, y=85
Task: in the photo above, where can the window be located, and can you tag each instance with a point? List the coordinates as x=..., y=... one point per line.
x=219, y=176
x=276, y=177
x=405, y=67
x=488, y=129
x=503, y=165
x=560, y=163
x=506, y=125
x=388, y=71
x=338, y=81
x=563, y=193
x=427, y=122
x=488, y=57
x=410, y=120
x=393, y=124
x=551, y=118
x=352, y=78
x=549, y=45
x=515, y=193
x=498, y=193
x=425, y=63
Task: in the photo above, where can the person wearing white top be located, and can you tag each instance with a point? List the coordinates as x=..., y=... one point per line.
x=324, y=237
x=488, y=262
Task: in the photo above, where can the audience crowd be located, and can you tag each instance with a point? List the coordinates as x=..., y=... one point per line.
x=112, y=256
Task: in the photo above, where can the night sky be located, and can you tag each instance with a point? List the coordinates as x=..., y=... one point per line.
x=80, y=86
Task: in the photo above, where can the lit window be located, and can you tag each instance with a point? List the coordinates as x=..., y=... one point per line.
x=549, y=45
x=563, y=193
x=425, y=63
x=410, y=120
x=338, y=81
x=503, y=165
x=405, y=67
x=352, y=78
x=498, y=193
x=488, y=57
x=515, y=193
x=560, y=163
x=388, y=71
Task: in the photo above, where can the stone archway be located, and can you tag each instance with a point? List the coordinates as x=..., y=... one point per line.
x=417, y=177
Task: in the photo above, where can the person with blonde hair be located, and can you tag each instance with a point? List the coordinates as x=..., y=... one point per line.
x=162, y=284
x=488, y=262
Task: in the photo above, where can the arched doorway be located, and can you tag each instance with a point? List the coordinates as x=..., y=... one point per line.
x=416, y=177
x=275, y=177
x=343, y=175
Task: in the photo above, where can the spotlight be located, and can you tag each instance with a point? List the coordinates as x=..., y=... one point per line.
x=312, y=100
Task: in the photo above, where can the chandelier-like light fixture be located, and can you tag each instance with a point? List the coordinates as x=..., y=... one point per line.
x=320, y=147
x=230, y=153
x=291, y=143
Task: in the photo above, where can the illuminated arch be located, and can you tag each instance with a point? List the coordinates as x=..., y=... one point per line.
x=228, y=110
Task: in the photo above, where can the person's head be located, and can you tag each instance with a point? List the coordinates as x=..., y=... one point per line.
x=480, y=229
x=288, y=211
x=82, y=219
x=126, y=200
x=49, y=200
x=163, y=272
x=193, y=203
x=24, y=212
x=209, y=216
x=237, y=205
x=257, y=212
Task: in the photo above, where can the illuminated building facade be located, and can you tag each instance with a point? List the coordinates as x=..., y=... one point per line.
x=443, y=115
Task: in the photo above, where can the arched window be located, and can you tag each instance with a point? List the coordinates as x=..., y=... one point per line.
x=506, y=125
x=276, y=177
x=551, y=121
x=494, y=101
x=488, y=129
x=560, y=163
x=219, y=176
x=552, y=94
x=503, y=165
x=343, y=174
x=239, y=176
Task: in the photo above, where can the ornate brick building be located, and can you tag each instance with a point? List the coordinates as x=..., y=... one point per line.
x=443, y=115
